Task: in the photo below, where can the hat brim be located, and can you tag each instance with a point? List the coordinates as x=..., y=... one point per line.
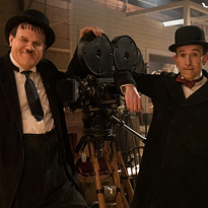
x=18, y=19
x=173, y=47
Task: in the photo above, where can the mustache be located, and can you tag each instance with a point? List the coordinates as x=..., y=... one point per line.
x=29, y=51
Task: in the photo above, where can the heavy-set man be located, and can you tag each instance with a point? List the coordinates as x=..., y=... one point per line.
x=36, y=162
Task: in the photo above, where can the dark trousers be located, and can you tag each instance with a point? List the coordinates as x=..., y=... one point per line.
x=43, y=183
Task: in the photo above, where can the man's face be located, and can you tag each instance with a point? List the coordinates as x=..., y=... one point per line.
x=188, y=60
x=27, y=47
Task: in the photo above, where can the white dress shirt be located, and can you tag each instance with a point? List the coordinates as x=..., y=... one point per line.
x=30, y=124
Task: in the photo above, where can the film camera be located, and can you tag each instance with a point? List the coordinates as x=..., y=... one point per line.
x=93, y=90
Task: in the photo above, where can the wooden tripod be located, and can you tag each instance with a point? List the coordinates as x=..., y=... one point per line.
x=113, y=161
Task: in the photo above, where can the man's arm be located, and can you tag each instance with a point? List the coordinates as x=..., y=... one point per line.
x=132, y=97
x=125, y=81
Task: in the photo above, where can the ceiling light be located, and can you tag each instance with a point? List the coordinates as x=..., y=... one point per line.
x=173, y=22
x=204, y=5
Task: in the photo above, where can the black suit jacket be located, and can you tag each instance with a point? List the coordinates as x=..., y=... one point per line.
x=174, y=168
x=11, y=131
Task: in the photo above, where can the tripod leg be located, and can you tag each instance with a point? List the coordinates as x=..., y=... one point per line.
x=126, y=204
x=76, y=157
x=125, y=177
x=98, y=185
x=114, y=168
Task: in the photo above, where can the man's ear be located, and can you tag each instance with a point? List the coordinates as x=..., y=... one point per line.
x=205, y=59
x=11, y=38
x=175, y=59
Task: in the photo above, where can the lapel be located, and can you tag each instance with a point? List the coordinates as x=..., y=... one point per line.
x=198, y=97
x=174, y=88
x=9, y=89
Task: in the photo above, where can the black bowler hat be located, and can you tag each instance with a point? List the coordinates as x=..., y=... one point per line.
x=189, y=35
x=34, y=17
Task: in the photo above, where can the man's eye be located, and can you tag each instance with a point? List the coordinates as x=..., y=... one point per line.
x=37, y=44
x=24, y=40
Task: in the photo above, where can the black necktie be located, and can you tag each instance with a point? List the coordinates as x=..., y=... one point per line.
x=32, y=97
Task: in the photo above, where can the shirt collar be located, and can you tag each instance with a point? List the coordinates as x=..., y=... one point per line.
x=198, y=76
x=33, y=69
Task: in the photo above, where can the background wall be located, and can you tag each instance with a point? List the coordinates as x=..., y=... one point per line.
x=7, y=9
x=145, y=32
x=67, y=18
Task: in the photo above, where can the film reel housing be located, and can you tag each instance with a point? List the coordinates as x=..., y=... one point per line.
x=125, y=53
x=95, y=54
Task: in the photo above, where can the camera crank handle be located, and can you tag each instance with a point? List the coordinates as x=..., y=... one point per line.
x=123, y=125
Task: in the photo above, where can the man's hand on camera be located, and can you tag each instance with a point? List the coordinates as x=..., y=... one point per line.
x=132, y=98
x=96, y=30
